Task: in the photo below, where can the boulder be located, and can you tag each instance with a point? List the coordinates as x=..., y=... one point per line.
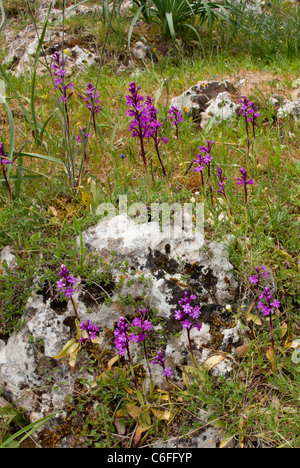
x=140, y=50
x=284, y=107
x=21, y=48
x=7, y=259
x=291, y=108
x=209, y=101
x=159, y=269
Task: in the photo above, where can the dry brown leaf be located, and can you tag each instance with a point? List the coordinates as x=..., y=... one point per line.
x=53, y=211
x=121, y=427
x=112, y=361
x=214, y=360
x=242, y=350
x=133, y=410
x=139, y=432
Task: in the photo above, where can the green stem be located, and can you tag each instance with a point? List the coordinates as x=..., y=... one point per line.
x=191, y=349
x=144, y=159
x=75, y=308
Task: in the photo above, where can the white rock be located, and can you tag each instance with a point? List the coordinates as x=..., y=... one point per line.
x=7, y=258
x=210, y=101
x=169, y=266
x=139, y=51
x=83, y=58
x=289, y=108
x=218, y=109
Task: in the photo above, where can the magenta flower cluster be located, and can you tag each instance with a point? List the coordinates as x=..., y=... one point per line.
x=221, y=188
x=66, y=282
x=160, y=360
x=222, y=179
x=260, y=273
x=204, y=157
x=3, y=156
x=150, y=113
x=91, y=330
x=188, y=313
x=85, y=135
x=175, y=116
x=144, y=123
x=93, y=104
x=138, y=329
x=122, y=337
x=137, y=333
x=248, y=109
x=58, y=72
x=266, y=304
x=92, y=99
x=244, y=182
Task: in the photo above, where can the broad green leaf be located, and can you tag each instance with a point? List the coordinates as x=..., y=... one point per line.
x=25, y=432
x=220, y=423
x=14, y=178
x=169, y=18
x=225, y=441
x=2, y=88
x=2, y=15
x=135, y=19
x=42, y=156
x=70, y=347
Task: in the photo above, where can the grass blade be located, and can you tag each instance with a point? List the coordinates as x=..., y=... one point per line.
x=42, y=156
x=136, y=17
x=2, y=15
x=28, y=430
x=10, y=84
x=169, y=20
x=32, y=100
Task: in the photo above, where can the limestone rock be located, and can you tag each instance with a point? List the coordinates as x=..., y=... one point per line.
x=7, y=258
x=208, y=100
x=169, y=267
x=289, y=108
x=284, y=107
x=208, y=438
x=140, y=50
